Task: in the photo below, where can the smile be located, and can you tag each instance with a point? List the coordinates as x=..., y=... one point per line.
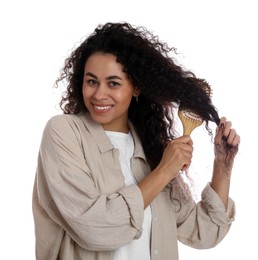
x=101, y=108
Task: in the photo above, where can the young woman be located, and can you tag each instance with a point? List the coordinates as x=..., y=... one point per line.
x=108, y=182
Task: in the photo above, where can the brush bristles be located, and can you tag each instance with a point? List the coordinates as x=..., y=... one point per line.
x=189, y=120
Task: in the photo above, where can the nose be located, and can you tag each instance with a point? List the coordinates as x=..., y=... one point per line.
x=100, y=92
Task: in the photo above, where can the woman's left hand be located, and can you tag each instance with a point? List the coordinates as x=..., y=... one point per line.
x=226, y=143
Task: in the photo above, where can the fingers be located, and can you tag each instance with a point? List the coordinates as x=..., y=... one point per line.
x=186, y=153
x=226, y=145
x=226, y=133
x=178, y=154
x=185, y=139
x=233, y=138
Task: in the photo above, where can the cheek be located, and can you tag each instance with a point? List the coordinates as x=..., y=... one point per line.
x=86, y=92
x=86, y=97
x=124, y=96
x=127, y=99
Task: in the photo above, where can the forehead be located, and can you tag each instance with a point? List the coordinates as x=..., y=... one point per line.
x=103, y=62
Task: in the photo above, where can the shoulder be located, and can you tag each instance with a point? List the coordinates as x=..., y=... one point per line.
x=58, y=120
x=66, y=121
x=63, y=125
x=65, y=132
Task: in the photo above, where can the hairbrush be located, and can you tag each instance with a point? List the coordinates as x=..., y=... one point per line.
x=190, y=120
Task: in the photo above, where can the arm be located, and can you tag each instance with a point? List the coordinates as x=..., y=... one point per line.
x=205, y=224
x=69, y=192
x=177, y=156
x=209, y=213
x=225, y=147
x=194, y=220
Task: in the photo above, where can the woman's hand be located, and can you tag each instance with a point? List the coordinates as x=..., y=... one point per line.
x=177, y=156
x=226, y=143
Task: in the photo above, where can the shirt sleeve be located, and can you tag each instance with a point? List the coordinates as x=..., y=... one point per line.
x=205, y=224
x=69, y=195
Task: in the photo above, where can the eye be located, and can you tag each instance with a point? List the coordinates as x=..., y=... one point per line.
x=92, y=82
x=114, y=84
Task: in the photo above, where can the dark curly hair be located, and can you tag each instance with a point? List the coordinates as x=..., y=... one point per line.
x=150, y=66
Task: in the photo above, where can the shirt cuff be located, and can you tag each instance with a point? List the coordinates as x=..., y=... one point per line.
x=216, y=209
x=133, y=198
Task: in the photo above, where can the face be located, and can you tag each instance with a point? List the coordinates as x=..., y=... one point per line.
x=107, y=92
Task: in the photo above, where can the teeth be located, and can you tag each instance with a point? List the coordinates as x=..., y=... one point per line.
x=102, y=107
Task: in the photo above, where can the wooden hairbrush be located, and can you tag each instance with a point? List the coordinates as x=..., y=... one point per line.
x=190, y=120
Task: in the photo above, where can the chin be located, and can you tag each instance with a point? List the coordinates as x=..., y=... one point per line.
x=99, y=119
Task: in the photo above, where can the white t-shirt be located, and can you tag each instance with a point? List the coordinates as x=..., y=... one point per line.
x=138, y=249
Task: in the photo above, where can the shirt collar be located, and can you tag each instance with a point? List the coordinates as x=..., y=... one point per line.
x=101, y=139
x=138, y=149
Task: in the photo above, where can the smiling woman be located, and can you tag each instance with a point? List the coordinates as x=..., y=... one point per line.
x=109, y=179
x=107, y=92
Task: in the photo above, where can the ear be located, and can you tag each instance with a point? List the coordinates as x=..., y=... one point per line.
x=137, y=91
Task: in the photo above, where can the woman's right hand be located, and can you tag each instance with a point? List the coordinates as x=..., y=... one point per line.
x=177, y=156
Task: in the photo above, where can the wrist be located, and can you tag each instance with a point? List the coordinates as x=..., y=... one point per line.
x=221, y=169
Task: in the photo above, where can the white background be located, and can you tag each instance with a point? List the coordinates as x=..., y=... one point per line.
x=216, y=39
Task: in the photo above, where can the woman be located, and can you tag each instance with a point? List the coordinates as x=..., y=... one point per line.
x=108, y=182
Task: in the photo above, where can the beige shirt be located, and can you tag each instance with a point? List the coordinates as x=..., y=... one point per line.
x=83, y=210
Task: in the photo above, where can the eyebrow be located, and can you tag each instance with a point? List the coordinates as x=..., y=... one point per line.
x=108, y=78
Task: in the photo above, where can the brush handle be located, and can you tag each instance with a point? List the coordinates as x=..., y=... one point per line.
x=187, y=131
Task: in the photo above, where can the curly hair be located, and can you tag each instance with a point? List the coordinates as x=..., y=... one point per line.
x=149, y=65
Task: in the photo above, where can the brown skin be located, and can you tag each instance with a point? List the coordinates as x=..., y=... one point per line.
x=225, y=147
x=177, y=156
x=107, y=92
